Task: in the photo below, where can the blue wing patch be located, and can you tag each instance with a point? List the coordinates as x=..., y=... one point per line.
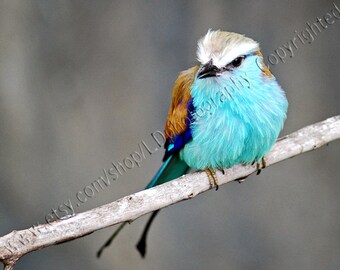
x=177, y=142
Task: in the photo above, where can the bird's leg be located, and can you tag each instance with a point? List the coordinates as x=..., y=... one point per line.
x=213, y=173
x=261, y=165
x=211, y=180
x=212, y=177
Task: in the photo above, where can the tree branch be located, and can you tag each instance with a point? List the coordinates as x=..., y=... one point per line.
x=18, y=243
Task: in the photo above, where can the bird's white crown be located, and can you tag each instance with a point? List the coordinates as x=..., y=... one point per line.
x=224, y=47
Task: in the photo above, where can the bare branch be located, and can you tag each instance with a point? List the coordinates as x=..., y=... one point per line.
x=18, y=243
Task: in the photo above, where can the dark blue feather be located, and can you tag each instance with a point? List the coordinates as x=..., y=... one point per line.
x=176, y=143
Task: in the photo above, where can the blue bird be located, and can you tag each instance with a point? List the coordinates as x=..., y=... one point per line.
x=229, y=109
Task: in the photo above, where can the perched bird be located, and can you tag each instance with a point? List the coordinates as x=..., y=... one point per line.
x=228, y=109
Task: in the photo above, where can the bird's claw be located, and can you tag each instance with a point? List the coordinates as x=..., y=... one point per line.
x=261, y=165
x=213, y=181
x=240, y=181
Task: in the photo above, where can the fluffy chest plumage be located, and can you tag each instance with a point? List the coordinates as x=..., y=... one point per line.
x=237, y=120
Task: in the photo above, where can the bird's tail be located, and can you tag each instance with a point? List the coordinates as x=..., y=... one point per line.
x=172, y=168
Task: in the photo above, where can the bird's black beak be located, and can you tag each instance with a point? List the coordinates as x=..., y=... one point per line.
x=207, y=70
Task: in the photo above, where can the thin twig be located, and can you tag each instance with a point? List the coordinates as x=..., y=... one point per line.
x=18, y=243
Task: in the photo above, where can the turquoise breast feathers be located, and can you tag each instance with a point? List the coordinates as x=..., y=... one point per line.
x=237, y=118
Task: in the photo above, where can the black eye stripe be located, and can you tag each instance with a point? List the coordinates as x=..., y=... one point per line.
x=235, y=63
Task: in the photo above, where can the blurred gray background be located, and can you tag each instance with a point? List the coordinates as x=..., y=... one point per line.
x=83, y=82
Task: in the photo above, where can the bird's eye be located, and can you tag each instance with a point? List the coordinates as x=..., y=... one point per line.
x=236, y=62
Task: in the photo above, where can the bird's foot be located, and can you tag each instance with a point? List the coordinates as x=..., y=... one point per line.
x=261, y=165
x=213, y=181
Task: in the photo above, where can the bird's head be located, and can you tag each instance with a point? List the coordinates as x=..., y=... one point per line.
x=222, y=53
